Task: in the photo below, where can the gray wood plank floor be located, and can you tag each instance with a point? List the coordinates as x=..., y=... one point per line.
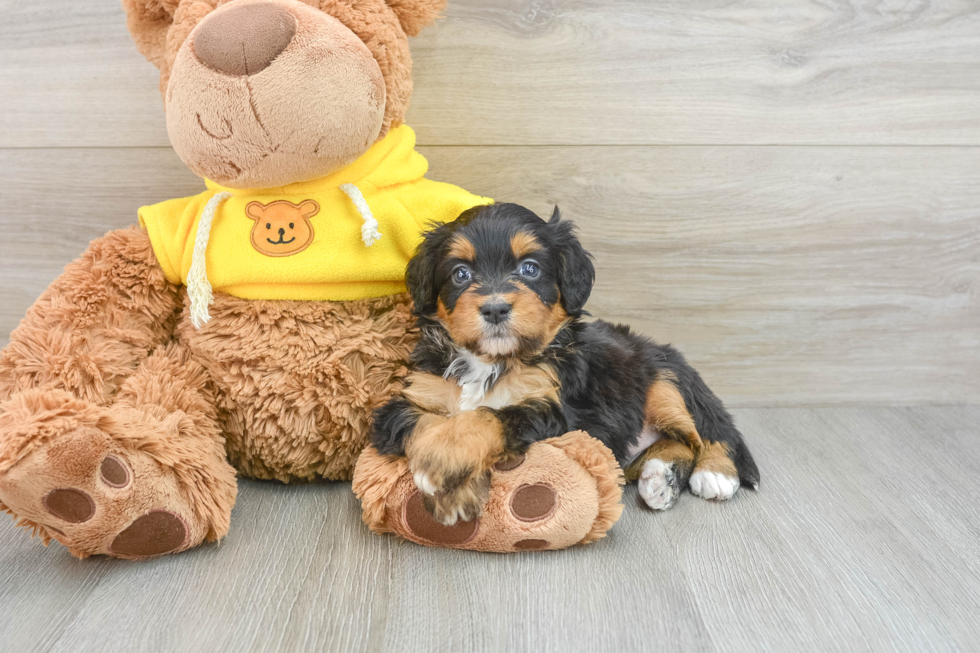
x=864, y=536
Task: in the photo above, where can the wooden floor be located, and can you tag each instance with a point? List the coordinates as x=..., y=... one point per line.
x=865, y=535
x=788, y=191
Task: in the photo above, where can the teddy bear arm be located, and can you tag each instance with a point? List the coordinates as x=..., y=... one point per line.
x=94, y=324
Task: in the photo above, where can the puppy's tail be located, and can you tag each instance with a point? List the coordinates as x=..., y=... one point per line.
x=748, y=471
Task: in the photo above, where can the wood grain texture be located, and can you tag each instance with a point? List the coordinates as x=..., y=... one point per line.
x=862, y=538
x=568, y=71
x=789, y=275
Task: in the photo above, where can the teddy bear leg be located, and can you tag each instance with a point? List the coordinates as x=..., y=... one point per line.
x=140, y=478
x=564, y=491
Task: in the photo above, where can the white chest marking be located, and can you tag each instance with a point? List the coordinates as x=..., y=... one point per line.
x=475, y=381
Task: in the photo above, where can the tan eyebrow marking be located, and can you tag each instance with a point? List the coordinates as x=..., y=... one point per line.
x=460, y=247
x=522, y=244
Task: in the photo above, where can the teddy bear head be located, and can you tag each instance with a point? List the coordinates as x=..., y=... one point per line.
x=264, y=93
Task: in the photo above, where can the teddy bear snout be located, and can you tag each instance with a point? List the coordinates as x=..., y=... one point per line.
x=245, y=39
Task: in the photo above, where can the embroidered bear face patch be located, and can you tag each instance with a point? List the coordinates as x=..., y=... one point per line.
x=281, y=227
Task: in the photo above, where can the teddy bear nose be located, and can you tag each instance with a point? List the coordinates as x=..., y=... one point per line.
x=244, y=40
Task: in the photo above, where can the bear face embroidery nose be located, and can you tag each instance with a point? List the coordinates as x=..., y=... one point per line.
x=244, y=40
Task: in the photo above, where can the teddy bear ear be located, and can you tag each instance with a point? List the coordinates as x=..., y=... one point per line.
x=309, y=208
x=148, y=22
x=416, y=14
x=255, y=210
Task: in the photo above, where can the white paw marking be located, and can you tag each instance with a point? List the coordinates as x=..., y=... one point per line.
x=424, y=483
x=656, y=484
x=712, y=485
x=451, y=518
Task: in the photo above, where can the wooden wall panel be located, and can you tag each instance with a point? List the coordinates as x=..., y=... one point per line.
x=789, y=275
x=568, y=72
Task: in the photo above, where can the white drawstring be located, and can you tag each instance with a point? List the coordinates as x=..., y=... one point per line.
x=198, y=286
x=369, y=230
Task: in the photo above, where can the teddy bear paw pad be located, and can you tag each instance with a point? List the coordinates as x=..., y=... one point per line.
x=153, y=534
x=530, y=545
x=114, y=473
x=96, y=498
x=424, y=526
x=72, y=506
x=533, y=502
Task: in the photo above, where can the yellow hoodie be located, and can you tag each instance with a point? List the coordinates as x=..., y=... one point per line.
x=310, y=241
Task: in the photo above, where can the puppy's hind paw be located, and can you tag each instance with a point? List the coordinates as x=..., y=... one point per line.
x=713, y=486
x=659, y=484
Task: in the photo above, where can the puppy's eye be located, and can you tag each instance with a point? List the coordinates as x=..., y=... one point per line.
x=290, y=225
x=461, y=274
x=268, y=225
x=530, y=269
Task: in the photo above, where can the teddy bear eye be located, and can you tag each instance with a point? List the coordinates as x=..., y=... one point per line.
x=268, y=225
x=290, y=225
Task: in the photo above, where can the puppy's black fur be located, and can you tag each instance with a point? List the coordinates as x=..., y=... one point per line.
x=604, y=372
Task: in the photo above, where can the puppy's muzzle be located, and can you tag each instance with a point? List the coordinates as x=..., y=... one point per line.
x=495, y=311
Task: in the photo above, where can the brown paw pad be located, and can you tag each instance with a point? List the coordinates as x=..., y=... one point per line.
x=422, y=525
x=152, y=534
x=114, y=473
x=73, y=506
x=508, y=464
x=533, y=502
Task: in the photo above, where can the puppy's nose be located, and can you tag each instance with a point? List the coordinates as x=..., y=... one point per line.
x=244, y=40
x=282, y=232
x=495, y=311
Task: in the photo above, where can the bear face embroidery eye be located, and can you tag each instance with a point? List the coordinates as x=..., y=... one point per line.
x=461, y=274
x=268, y=225
x=530, y=270
x=290, y=225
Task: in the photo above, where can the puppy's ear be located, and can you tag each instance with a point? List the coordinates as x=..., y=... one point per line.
x=577, y=274
x=420, y=277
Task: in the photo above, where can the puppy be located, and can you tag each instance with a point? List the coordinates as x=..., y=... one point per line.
x=505, y=360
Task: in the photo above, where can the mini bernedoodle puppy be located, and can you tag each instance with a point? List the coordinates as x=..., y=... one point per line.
x=505, y=359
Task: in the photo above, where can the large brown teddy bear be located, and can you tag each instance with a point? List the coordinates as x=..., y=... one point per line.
x=253, y=327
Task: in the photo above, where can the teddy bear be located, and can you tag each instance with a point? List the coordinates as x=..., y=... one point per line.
x=252, y=329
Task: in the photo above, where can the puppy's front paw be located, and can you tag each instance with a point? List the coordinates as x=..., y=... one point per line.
x=452, y=489
x=450, y=461
x=461, y=503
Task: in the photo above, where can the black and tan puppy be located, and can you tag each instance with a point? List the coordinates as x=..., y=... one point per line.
x=505, y=360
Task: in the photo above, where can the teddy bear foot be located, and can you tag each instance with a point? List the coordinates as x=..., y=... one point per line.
x=86, y=490
x=564, y=491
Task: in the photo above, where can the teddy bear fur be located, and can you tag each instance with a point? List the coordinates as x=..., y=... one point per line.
x=123, y=426
x=563, y=491
x=280, y=389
